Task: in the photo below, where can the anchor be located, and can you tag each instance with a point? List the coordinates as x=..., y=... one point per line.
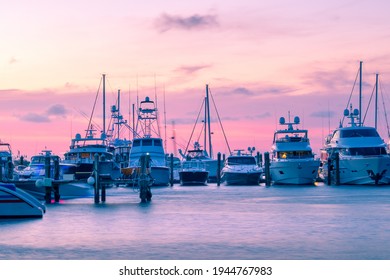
x=376, y=177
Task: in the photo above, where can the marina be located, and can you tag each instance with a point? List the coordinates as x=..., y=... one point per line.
x=209, y=223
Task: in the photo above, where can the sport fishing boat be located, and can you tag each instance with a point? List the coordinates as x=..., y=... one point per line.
x=360, y=151
x=15, y=203
x=82, y=152
x=241, y=169
x=292, y=160
x=193, y=172
x=144, y=143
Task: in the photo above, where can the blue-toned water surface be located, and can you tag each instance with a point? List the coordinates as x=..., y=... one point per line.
x=210, y=222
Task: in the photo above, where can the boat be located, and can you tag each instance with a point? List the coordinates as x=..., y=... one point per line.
x=193, y=172
x=15, y=203
x=199, y=154
x=355, y=154
x=82, y=153
x=147, y=140
x=360, y=152
x=33, y=179
x=204, y=153
x=241, y=169
x=6, y=163
x=292, y=160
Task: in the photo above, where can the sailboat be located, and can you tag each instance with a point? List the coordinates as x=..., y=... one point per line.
x=83, y=149
x=147, y=140
x=355, y=154
x=204, y=153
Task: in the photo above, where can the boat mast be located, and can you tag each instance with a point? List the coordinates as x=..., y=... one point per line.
x=104, y=105
x=376, y=100
x=360, y=92
x=119, y=112
x=207, y=118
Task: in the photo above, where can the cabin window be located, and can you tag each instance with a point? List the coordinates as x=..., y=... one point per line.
x=136, y=143
x=242, y=160
x=157, y=142
x=147, y=142
x=359, y=133
x=367, y=151
x=295, y=154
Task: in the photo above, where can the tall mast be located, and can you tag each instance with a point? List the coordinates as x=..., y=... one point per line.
x=360, y=92
x=119, y=110
x=376, y=100
x=208, y=120
x=104, y=105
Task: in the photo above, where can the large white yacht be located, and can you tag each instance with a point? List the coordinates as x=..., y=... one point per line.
x=292, y=160
x=144, y=143
x=361, y=151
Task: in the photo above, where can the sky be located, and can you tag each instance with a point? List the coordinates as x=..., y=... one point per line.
x=261, y=60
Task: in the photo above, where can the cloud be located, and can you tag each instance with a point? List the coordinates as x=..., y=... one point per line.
x=187, y=70
x=56, y=110
x=167, y=22
x=323, y=114
x=12, y=60
x=36, y=118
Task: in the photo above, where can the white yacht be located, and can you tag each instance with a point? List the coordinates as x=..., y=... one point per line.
x=363, y=159
x=292, y=160
x=15, y=203
x=144, y=143
x=241, y=169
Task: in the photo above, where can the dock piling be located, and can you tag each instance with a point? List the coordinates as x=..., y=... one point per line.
x=267, y=169
x=219, y=170
x=97, y=178
x=171, y=169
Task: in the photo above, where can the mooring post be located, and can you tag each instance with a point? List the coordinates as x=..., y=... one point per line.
x=10, y=168
x=171, y=169
x=46, y=183
x=145, y=194
x=267, y=169
x=219, y=169
x=337, y=159
x=329, y=178
x=259, y=157
x=56, y=177
x=97, y=177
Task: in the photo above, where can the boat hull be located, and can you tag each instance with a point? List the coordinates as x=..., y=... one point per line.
x=15, y=203
x=241, y=178
x=193, y=177
x=294, y=172
x=362, y=171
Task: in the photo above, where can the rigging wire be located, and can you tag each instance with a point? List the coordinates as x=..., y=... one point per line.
x=93, y=108
x=197, y=118
x=368, y=106
x=219, y=119
x=384, y=108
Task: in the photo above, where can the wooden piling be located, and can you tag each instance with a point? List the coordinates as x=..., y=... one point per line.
x=259, y=158
x=219, y=170
x=267, y=172
x=171, y=169
x=337, y=166
x=329, y=178
x=56, y=177
x=48, y=187
x=97, y=178
x=144, y=181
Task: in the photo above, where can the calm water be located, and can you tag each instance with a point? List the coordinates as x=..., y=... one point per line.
x=210, y=222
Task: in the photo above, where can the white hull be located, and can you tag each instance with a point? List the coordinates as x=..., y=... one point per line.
x=362, y=170
x=15, y=203
x=294, y=171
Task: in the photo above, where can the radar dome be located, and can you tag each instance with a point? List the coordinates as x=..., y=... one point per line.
x=78, y=136
x=282, y=120
x=356, y=112
x=296, y=120
x=147, y=99
x=346, y=112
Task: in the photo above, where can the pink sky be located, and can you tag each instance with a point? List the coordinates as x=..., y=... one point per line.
x=260, y=58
